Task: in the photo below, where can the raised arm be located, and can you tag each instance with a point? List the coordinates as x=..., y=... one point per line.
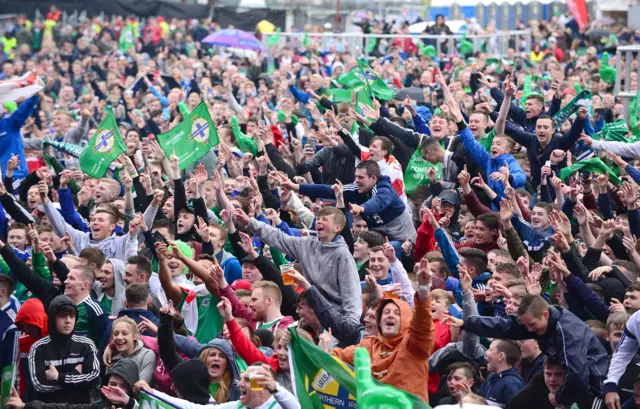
x=171, y=289
x=421, y=330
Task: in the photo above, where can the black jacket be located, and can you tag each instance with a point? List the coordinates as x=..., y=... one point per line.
x=567, y=340
x=65, y=353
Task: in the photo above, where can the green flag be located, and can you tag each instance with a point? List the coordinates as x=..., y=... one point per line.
x=594, y=165
x=526, y=90
x=127, y=38
x=245, y=143
x=366, y=77
x=615, y=131
x=323, y=381
x=273, y=40
x=305, y=39
x=372, y=395
x=103, y=148
x=378, y=87
x=150, y=401
x=582, y=99
x=607, y=73
x=339, y=95
x=363, y=98
x=8, y=379
x=192, y=138
x=634, y=108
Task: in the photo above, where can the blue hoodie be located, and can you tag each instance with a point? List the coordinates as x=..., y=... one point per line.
x=11, y=139
x=499, y=388
x=491, y=165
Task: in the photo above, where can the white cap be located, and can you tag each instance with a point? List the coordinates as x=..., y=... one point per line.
x=328, y=26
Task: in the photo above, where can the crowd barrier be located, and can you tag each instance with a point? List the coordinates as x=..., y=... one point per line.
x=623, y=89
x=358, y=43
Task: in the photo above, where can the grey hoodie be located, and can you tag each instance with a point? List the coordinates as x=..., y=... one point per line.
x=192, y=348
x=120, y=247
x=329, y=267
x=117, y=303
x=144, y=358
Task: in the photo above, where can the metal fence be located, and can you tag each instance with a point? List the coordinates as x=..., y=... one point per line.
x=623, y=90
x=358, y=43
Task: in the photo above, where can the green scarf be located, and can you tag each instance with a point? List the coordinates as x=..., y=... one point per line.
x=571, y=108
x=594, y=165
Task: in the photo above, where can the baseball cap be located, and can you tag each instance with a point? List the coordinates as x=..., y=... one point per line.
x=450, y=196
x=241, y=285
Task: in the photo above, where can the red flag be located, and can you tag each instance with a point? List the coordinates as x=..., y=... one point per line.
x=578, y=9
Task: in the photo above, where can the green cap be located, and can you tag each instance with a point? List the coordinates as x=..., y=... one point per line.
x=184, y=249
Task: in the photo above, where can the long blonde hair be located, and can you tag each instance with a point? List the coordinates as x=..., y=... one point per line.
x=222, y=394
x=132, y=324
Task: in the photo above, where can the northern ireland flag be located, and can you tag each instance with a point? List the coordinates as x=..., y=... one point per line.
x=26, y=86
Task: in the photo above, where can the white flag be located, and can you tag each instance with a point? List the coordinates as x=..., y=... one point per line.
x=25, y=86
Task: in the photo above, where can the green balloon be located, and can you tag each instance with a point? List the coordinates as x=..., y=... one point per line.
x=10, y=106
x=466, y=47
x=430, y=51
x=371, y=395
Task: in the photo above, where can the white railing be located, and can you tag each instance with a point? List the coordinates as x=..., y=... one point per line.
x=623, y=90
x=358, y=43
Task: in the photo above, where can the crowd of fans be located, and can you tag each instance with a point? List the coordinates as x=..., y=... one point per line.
x=440, y=231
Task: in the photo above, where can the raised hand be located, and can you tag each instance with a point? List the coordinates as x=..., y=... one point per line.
x=560, y=240
x=628, y=195
x=300, y=280
x=523, y=265
x=241, y=217
x=224, y=307
x=479, y=182
x=616, y=306
x=560, y=223
x=34, y=237
x=43, y=190
x=423, y=275
x=389, y=251
x=375, y=288
x=174, y=161
x=203, y=230
x=464, y=178
x=325, y=340
x=506, y=211
x=407, y=246
x=532, y=281
x=607, y=229
x=452, y=321
x=598, y=272
x=115, y=395
x=201, y=174
x=581, y=214
x=168, y=309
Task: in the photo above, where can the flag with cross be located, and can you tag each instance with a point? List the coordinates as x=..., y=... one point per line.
x=192, y=138
x=103, y=148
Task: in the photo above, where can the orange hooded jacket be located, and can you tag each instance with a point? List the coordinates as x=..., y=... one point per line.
x=31, y=312
x=401, y=361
